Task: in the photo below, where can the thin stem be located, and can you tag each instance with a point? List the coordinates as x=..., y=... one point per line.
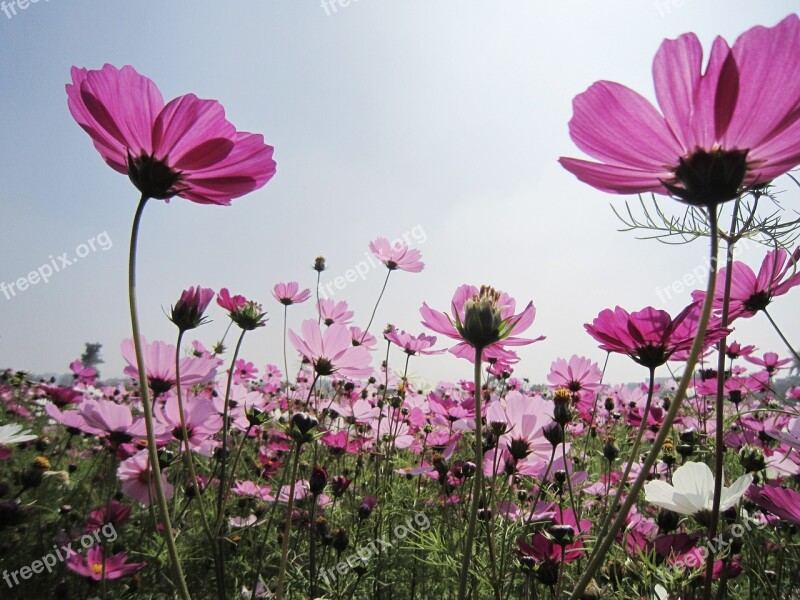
x=478, y=483
x=719, y=450
x=287, y=527
x=285, y=361
x=225, y=431
x=147, y=407
x=633, y=456
x=221, y=493
x=189, y=462
x=666, y=426
x=374, y=310
x=783, y=337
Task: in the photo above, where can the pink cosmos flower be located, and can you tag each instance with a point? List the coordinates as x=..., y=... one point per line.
x=159, y=364
x=96, y=568
x=397, y=256
x=244, y=371
x=135, y=475
x=750, y=293
x=770, y=362
x=113, y=420
x=482, y=318
x=113, y=513
x=650, y=336
x=545, y=549
x=82, y=373
x=578, y=375
x=362, y=338
x=247, y=314
x=202, y=421
x=289, y=293
x=720, y=132
x=782, y=502
x=334, y=312
x=185, y=148
x=331, y=352
x=734, y=350
x=410, y=344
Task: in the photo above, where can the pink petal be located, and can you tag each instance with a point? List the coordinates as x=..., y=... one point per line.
x=616, y=125
x=676, y=73
x=616, y=180
x=117, y=108
x=192, y=133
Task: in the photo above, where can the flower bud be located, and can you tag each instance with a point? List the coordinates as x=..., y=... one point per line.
x=317, y=481
x=553, y=433
x=339, y=485
x=483, y=318
x=340, y=540
x=319, y=264
x=366, y=507
x=563, y=535
x=752, y=459
x=562, y=413
x=188, y=311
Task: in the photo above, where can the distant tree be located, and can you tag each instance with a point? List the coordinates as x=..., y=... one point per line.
x=91, y=356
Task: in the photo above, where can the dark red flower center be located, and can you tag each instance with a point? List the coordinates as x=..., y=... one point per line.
x=709, y=178
x=758, y=301
x=154, y=178
x=651, y=356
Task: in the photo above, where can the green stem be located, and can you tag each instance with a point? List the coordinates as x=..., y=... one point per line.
x=189, y=462
x=680, y=394
x=374, y=310
x=147, y=407
x=478, y=483
x=287, y=527
x=719, y=450
x=221, y=493
x=632, y=458
x=783, y=337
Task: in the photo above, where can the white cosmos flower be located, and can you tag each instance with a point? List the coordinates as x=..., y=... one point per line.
x=10, y=434
x=692, y=490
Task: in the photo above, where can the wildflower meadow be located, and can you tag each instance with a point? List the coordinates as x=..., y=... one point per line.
x=335, y=471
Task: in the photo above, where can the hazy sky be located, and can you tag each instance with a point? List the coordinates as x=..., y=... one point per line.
x=440, y=120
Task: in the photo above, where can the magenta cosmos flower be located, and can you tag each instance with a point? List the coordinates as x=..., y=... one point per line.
x=650, y=336
x=719, y=132
x=97, y=568
x=397, y=256
x=185, y=148
x=782, y=502
x=482, y=319
x=289, y=293
x=751, y=293
x=331, y=352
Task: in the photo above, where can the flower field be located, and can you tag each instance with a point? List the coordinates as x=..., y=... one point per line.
x=337, y=474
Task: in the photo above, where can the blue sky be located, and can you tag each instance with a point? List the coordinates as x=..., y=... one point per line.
x=388, y=117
